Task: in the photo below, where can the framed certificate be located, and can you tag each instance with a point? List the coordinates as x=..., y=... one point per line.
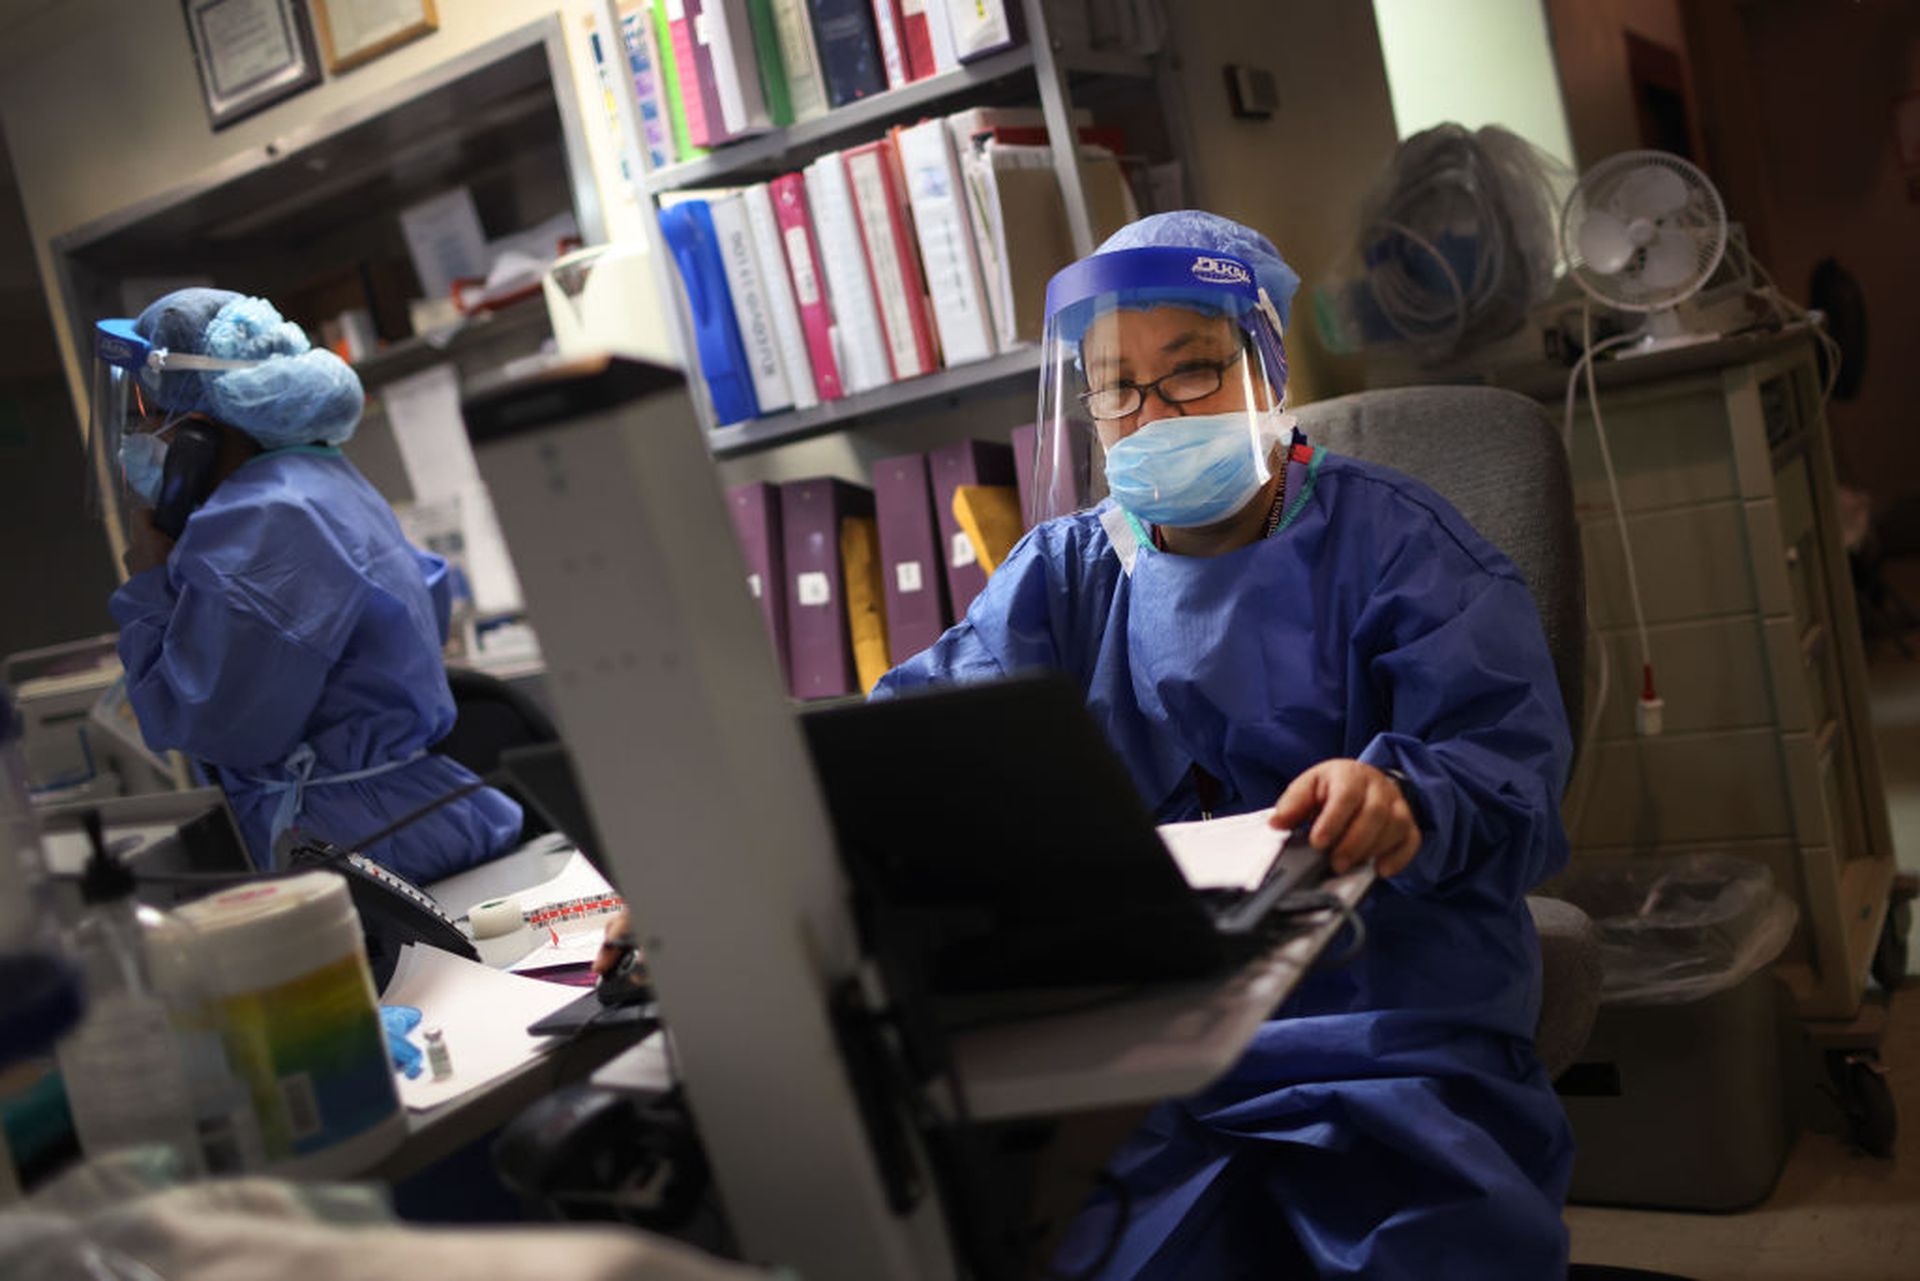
x=251, y=54
x=357, y=31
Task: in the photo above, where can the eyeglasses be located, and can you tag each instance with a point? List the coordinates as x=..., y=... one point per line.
x=1193, y=381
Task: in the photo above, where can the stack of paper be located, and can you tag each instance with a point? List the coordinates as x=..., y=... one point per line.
x=481, y=1013
x=1234, y=853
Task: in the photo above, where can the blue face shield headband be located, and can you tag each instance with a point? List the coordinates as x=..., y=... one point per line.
x=1211, y=283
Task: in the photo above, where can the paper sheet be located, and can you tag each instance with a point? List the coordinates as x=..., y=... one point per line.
x=571, y=912
x=482, y=1013
x=445, y=240
x=1233, y=853
x=423, y=411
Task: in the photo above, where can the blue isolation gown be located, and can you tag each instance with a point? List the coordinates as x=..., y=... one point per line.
x=1392, y=1119
x=293, y=613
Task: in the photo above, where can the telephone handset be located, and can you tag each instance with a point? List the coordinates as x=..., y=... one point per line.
x=393, y=912
x=191, y=471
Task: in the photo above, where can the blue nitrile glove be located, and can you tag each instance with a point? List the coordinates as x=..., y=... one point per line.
x=398, y=1020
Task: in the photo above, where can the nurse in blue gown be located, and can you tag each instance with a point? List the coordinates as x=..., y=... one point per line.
x=291, y=639
x=1259, y=624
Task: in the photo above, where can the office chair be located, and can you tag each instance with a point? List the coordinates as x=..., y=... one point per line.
x=1499, y=460
x=491, y=717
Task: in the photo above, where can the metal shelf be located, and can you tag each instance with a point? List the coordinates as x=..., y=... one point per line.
x=771, y=148
x=522, y=319
x=798, y=424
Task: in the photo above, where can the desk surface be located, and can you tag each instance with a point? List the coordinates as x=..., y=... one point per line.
x=1159, y=1044
x=443, y=1130
x=1544, y=381
x=436, y=1134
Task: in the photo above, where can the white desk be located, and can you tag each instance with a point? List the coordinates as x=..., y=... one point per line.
x=439, y=1132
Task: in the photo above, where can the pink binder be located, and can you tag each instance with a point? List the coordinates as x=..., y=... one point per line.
x=699, y=96
x=789, y=193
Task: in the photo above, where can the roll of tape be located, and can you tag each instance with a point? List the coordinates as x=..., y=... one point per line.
x=496, y=917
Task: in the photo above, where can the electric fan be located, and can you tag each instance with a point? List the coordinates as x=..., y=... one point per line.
x=1643, y=231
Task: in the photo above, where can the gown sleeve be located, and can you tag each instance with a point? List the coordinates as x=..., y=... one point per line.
x=439, y=578
x=1452, y=645
x=228, y=645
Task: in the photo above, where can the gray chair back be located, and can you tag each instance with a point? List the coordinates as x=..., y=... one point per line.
x=1497, y=457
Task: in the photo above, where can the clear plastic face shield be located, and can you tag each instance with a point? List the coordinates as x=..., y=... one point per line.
x=127, y=429
x=1161, y=386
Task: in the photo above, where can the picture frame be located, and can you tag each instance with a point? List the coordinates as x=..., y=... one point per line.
x=354, y=32
x=250, y=54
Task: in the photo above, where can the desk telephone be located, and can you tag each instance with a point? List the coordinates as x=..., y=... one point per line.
x=393, y=911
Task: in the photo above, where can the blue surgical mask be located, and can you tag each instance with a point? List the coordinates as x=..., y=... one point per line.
x=1192, y=471
x=143, y=461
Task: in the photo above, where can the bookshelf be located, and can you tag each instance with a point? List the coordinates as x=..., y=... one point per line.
x=781, y=147
x=839, y=415
x=1040, y=69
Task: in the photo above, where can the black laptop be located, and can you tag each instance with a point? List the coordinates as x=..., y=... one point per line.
x=991, y=831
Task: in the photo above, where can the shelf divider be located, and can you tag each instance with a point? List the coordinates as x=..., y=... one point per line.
x=798, y=424
x=768, y=148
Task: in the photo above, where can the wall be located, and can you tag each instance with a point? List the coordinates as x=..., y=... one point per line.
x=1799, y=100
x=102, y=107
x=1589, y=43
x=1488, y=63
x=56, y=573
x=1300, y=176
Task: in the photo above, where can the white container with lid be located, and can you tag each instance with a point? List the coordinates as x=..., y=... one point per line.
x=284, y=961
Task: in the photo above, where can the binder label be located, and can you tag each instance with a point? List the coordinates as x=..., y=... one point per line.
x=906, y=576
x=800, y=255
x=813, y=588
x=962, y=555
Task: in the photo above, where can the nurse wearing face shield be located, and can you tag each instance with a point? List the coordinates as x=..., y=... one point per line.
x=1258, y=624
x=276, y=626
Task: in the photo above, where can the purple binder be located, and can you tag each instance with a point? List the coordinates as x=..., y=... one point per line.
x=967, y=462
x=756, y=522
x=1026, y=438
x=910, y=559
x=819, y=648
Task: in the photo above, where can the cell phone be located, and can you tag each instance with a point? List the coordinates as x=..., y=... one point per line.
x=192, y=470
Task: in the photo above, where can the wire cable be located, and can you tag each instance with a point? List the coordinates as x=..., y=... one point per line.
x=1577, y=804
x=1619, y=508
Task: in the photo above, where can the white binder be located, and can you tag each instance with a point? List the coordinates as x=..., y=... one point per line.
x=857, y=340
x=751, y=309
x=771, y=258
x=948, y=250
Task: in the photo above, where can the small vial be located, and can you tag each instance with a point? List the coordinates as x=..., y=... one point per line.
x=437, y=1057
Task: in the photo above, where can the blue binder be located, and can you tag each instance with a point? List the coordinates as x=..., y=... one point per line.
x=688, y=227
x=849, y=49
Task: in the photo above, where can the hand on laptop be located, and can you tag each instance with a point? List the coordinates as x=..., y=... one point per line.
x=1363, y=816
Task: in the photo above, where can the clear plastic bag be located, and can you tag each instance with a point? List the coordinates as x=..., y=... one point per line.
x=1678, y=929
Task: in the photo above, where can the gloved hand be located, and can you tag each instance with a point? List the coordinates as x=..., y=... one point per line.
x=398, y=1020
